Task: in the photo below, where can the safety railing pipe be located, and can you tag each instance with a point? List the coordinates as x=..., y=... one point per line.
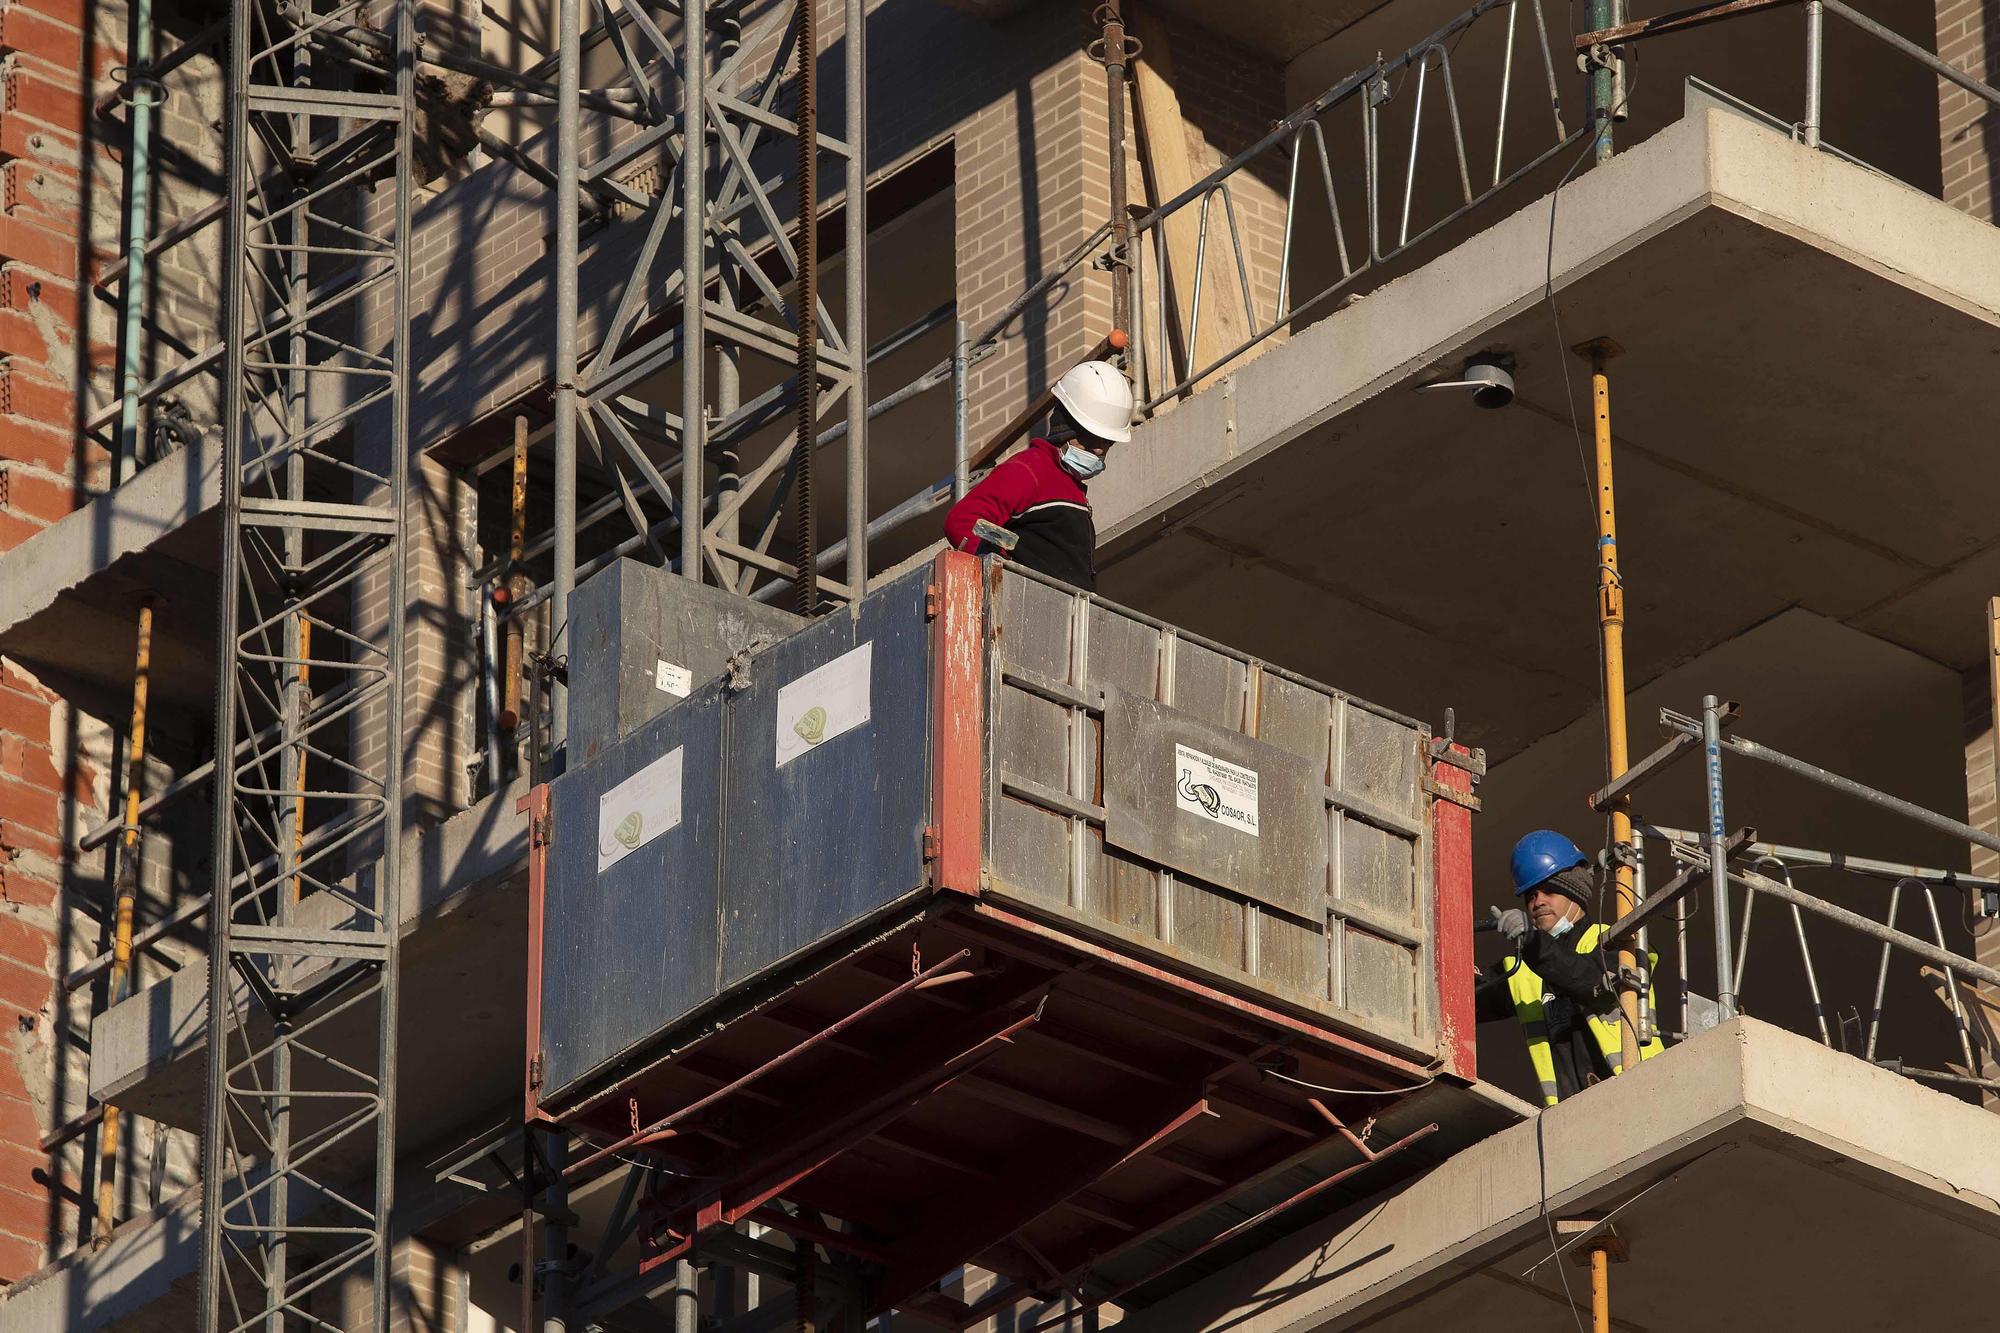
x=1718, y=855
x=1815, y=62
x=569, y=91
x=1943, y=959
x=1848, y=787
x=1944, y=69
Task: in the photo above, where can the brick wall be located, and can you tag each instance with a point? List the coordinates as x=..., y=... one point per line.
x=425, y=1294
x=1968, y=36
x=58, y=188
x=440, y=650
x=1982, y=811
x=61, y=218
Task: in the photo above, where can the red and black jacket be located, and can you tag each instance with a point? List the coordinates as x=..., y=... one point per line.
x=1034, y=497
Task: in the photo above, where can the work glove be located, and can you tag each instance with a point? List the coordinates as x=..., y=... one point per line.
x=1513, y=923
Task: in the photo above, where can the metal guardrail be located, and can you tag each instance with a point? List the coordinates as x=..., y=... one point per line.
x=1723, y=862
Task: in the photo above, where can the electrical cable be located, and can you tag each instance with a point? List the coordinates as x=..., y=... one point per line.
x=1348, y=1092
x=1542, y=1190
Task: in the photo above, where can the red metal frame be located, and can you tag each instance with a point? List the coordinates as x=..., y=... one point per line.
x=535, y=805
x=1451, y=930
x=957, y=765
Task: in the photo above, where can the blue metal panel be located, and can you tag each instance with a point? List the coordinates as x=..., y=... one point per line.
x=836, y=833
x=628, y=951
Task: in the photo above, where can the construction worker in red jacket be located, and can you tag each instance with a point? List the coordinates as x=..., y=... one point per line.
x=1037, y=495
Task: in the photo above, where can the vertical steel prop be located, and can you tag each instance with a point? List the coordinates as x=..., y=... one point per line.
x=127, y=879
x=804, y=514
x=1611, y=631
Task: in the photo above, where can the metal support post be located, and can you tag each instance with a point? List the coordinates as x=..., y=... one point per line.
x=1112, y=51
x=318, y=206
x=146, y=90
x=687, y=1298
x=1718, y=855
x=1603, y=79
x=1600, y=1289
x=960, y=445
x=856, y=130
x=1611, y=631
x=729, y=294
x=1815, y=62
x=569, y=92
x=694, y=267
x=554, y=1270
x=804, y=502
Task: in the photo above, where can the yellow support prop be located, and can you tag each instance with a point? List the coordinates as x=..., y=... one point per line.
x=127, y=890
x=1611, y=629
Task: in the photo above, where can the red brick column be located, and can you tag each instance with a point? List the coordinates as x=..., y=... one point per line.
x=59, y=188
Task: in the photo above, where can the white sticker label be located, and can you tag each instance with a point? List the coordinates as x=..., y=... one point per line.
x=639, y=809
x=673, y=678
x=1215, y=789
x=824, y=703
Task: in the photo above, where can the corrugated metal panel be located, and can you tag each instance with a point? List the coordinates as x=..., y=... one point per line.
x=1329, y=906
x=629, y=949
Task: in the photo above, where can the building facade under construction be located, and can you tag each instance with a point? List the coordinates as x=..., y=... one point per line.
x=512, y=817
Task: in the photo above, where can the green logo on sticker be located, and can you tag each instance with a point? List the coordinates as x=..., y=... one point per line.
x=628, y=829
x=811, y=725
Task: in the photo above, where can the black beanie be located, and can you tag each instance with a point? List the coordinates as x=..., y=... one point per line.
x=1578, y=883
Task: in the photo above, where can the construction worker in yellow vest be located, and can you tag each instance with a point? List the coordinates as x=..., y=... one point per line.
x=1554, y=982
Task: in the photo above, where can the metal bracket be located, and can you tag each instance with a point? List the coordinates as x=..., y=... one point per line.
x=1432, y=787
x=1440, y=752
x=1635, y=979
x=1618, y=854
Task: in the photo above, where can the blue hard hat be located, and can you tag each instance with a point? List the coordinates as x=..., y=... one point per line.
x=1541, y=854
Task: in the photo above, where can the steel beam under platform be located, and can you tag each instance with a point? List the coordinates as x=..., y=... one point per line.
x=968, y=1085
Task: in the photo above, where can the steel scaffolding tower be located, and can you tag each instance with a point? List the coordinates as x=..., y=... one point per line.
x=693, y=127
x=298, y=1143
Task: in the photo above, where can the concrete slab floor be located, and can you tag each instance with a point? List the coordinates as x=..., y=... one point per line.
x=463, y=974
x=1759, y=1180
x=1807, y=350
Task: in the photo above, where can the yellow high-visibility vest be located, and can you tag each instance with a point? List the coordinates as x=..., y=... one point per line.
x=1525, y=985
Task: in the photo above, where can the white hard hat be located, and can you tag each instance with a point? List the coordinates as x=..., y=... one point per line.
x=1099, y=396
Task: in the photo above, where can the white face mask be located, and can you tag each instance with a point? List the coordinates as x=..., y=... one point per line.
x=1560, y=928
x=1080, y=463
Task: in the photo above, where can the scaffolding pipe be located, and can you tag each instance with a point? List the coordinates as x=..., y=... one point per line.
x=1611, y=631
x=1603, y=79
x=138, y=203
x=804, y=504
x=1848, y=787
x=1112, y=51
x=960, y=471
x=1922, y=948
x=569, y=88
x=856, y=129
x=1815, y=61
x=694, y=336
x=555, y=1235
x=1718, y=853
